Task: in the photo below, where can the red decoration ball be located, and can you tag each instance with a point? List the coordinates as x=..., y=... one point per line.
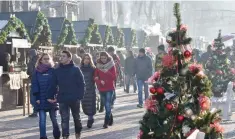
x=187, y=54
x=219, y=72
x=152, y=90
x=169, y=106
x=160, y=90
x=180, y=118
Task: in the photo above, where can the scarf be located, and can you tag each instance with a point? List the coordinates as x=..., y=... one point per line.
x=43, y=68
x=105, y=67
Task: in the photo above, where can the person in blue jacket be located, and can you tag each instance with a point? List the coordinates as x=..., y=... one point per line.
x=40, y=83
x=71, y=84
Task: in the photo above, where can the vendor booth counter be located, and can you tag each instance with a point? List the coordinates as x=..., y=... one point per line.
x=11, y=93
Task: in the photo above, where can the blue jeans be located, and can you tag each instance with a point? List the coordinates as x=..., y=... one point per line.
x=42, y=123
x=140, y=84
x=128, y=80
x=65, y=117
x=106, y=97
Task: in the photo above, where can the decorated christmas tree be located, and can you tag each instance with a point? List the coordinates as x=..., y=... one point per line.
x=179, y=104
x=219, y=68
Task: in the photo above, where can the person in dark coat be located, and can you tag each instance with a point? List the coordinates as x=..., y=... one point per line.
x=71, y=84
x=143, y=70
x=32, y=61
x=40, y=83
x=33, y=56
x=158, y=57
x=129, y=71
x=89, y=100
x=205, y=56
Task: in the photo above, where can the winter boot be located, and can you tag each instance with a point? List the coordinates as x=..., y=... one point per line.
x=90, y=123
x=106, y=122
x=111, y=120
x=43, y=138
x=78, y=135
x=66, y=137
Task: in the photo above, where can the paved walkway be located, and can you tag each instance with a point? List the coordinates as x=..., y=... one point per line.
x=126, y=117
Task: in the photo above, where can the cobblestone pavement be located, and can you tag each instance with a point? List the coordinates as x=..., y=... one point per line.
x=126, y=117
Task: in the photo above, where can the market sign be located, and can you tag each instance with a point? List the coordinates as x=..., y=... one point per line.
x=20, y=43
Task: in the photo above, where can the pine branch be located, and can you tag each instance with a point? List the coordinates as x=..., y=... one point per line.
x=177, y=15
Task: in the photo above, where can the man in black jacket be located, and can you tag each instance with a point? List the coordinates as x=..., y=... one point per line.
x=71, y=84
x=33, y=57
x=143, y=70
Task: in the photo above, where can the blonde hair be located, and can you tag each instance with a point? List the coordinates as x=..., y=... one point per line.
x=40, y=58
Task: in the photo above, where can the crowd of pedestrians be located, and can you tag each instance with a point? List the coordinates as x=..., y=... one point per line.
x=79, y=79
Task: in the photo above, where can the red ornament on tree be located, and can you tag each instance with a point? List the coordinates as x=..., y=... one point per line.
x=187, y=54
x=169, y=106
x=180, y=118
x=219, y=72
x=160, y=90
x=152, y=90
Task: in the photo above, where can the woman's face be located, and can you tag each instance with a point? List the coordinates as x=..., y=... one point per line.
x=86, y=60
x=103, y=59
x=45, y=60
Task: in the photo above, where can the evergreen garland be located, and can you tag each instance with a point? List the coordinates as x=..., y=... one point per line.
x=88, y=35
x=133, y=38
x=95, y=35
x=42, y=33
x=14, y=24
x=117, y=39
x=108, y=39
x=122, y=40
x=146, y=40
x=67, y=35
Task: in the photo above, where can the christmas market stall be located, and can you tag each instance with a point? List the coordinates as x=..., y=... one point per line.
x=14, y=42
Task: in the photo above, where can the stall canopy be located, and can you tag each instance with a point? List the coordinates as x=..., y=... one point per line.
x=127, y=34
x=56, y=25
x=28, y=18
x=80, y=28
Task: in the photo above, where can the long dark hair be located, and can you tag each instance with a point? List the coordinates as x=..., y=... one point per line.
x=103, y=53
x=91, y=60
